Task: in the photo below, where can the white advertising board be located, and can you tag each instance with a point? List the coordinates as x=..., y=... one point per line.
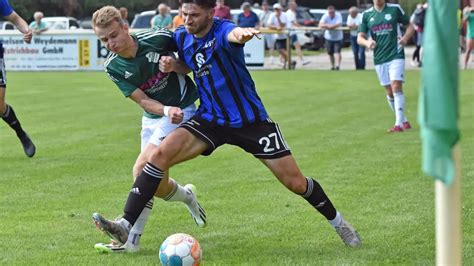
x=77, y=50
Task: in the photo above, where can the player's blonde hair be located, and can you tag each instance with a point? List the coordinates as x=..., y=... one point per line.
x=105, y=16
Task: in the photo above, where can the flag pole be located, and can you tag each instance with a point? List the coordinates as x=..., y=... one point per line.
x=448, y=217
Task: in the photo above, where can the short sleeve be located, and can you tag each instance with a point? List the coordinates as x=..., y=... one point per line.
x=5, y=8
x=224, y=29
x=125, y=87
x=339, y=18
x=324, y=18
x=403, y=18
x=363, y=25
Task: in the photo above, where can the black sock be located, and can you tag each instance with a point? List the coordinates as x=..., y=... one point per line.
x=142, y=191
x=10, y=118
x=318, y=199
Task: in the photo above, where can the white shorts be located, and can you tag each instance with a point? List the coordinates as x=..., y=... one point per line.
x=393, y=70
x=154, y=130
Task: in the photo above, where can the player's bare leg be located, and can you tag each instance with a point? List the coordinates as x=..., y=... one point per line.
x=8, y=115
x=168, y=190
x=469, y=48
x=288, y=173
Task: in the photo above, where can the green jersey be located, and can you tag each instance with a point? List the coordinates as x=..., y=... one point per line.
x=384, y=28
x=142, y=72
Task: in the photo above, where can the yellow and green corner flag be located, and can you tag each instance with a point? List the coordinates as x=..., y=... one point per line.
x=438, y=101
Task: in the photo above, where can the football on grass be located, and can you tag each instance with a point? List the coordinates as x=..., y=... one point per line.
x=180, y=249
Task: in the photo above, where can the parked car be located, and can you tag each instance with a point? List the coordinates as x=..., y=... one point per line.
x=86, y=23
x=61, y=23
x=7, y=25
x=143, y=20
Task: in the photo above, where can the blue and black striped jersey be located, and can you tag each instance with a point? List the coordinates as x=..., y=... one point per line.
x=226, y=90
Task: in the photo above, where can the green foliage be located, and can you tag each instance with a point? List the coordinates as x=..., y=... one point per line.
x=87, y=136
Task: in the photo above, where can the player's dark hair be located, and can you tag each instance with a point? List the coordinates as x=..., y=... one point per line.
x=201, y=3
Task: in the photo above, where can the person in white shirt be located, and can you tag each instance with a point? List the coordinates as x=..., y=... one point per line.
x=331, y=21
x=353, y=21
x=269, y=38
x=278, y=21
x=293, y=23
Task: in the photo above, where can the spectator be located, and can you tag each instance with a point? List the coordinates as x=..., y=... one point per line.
x=248, y=18
x=162, y=18
x=124, y=15
x=278, y=21
x=222, y=11
x=418, y=20
x=353, y=21
x=468, y=16
x=38, y=26
x=330, y=22
x=293, y=23
x=178, y=19
x=269, y=38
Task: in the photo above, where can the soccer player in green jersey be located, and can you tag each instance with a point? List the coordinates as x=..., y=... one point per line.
x=382, y=21
x=168, y=100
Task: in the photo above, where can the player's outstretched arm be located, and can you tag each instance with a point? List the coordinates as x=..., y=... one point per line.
x=170, y=64
x=152, y=106
x=242, y=35
x=21, y=26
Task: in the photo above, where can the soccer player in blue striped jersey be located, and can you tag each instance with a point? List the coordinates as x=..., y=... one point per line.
x=230, y=112
x=6, y=111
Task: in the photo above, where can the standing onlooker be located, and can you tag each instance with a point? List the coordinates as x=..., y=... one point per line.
x=6, y=111
x=418, y=21
x=468, y=16
x=248, y=18
x=162, y=18
x=330, y=22
x=278, y=21
x=178, y=19
x=382, y=22
x=269, y=38
x=292, y=23
x=124, y=15
x=353, y=21
x=38, y=26
x=222, y=11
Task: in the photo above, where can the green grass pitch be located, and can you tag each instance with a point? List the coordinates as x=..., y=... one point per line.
x=87, y=135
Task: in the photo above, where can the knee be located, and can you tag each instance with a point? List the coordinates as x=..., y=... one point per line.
x=297, y=185
x=158, y=158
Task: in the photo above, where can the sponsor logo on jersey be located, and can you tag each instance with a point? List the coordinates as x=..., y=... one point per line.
x=200, y=59
x=210, y=43
x=127, y=74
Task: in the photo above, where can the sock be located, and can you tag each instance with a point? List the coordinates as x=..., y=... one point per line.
x=391, y=103
x=336, y=221
x=142, y=192
x=318, y=199
x=179, y=193
x=399, y=108
x=10, y=118
x=137, y=229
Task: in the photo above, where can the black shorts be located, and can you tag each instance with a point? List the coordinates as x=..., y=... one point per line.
x=280, y=44
x=333, y=47
x=262, y=139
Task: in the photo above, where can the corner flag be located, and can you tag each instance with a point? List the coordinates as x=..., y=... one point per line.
x=438, y=101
